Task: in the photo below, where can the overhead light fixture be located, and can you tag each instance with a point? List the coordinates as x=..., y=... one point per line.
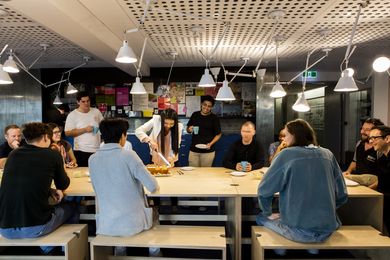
x=215, y=71
x=126, y=54
x=225, y=93
x=4, y=77
x=346, y=82
x=206, y=81
x=71, y=89
x=277, y=90
x=173, y=54
x=138, y=87
x=381, y=64
x=10, y=65
x=301, y=104
x=57, y=100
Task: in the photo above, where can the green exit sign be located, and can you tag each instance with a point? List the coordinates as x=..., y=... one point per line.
x=310, y=74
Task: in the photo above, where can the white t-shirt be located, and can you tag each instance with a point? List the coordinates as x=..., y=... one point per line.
x=87, y=142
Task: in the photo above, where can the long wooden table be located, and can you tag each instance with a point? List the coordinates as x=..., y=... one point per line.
x=364, y=207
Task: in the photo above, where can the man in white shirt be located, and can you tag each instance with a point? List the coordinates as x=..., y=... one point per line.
x=83, y=124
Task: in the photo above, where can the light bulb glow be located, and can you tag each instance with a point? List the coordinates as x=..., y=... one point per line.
x=381, y=64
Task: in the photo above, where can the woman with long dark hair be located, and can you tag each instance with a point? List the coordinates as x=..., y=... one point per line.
x=165, y=136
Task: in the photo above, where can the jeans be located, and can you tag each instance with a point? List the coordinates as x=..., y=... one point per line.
x=291, y=233
x=63, y=213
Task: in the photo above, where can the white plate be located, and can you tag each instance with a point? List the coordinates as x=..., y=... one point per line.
x=350, y=182
x=201, y=146
x=187, y=168
x=238, y=174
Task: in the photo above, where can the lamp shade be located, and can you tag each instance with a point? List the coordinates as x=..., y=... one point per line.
x=346, y=82
x=10, y=65
x=57, y=100
x=71, y=89
x=138, y=87
x=126, y=54
x=277, y=91
x=301, y=104
x=381, y=64
x=4, y=77
x=225, y=93
x=207, y=80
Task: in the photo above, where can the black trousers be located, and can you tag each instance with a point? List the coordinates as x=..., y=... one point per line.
x=82, y=158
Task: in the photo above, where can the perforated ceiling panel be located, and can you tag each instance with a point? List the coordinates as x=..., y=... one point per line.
x=26, y=38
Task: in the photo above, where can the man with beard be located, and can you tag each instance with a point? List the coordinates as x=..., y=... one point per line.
x=365, y=157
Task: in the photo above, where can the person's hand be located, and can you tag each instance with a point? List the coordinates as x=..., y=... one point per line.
x=89, y=129
x=15, y=144
x=208, y=146
x=248, y=167
x=346, y=173
x=374, y=186
x=274, y=216
x=153, y=145
x=56, y=195
x=71, y=165
x=239, y=167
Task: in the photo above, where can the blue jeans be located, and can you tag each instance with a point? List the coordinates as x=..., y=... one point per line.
x=63, y=213
x=291, y=233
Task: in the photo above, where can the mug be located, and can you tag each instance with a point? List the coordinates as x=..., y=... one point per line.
x=243, y=165
x=195, y=130
x=95, y=130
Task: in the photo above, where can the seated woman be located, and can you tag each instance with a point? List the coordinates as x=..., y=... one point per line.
x=311, y=187
x=277, y=146
x=62, y=146
x=164, y=137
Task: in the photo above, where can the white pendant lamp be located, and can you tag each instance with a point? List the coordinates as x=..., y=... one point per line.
x=381, y=64
x=207, y=80
x=57, y=100
x=138, y=87
x=71, y=89
x=10, y=65
x=277, y=90
x=126, y=54
x=301, y=104
x=346, y=82
x=225, y=93
x=4, y=77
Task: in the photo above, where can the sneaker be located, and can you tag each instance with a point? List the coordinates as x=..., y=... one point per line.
x=155, y=252
x=313, y=251
x=280, y=252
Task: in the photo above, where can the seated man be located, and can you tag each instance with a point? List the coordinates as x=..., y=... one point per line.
x=118, y=177
x=246, y=150
x=13, y=137
x=380, y=139
x=25, y=189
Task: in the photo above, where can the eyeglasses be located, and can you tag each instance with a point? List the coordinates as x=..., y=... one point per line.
x=56, y=132
x=375, y=137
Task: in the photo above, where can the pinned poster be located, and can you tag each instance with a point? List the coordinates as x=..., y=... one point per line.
x=192, y=104
x=163, y=102
x=122, y=96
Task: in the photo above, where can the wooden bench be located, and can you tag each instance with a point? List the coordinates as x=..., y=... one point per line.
x=346, y=237
x=163, y=236
x=73, y=237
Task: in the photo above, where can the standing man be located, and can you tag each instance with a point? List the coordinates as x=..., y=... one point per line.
x=13, y=137
x=364, y=159
x=25, y=190
x=380, y=140
x=83, y=124
x=206, y=131
x=247, y=149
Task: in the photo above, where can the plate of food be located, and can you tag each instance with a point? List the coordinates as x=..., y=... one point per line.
x=159, y=171
x=351, y=183
x=238, y=174
x=187, y=168
x=201, y=146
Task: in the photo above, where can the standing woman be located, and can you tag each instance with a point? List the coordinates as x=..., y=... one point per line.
x=310, y=184
x=164, y=137
x=62, y=146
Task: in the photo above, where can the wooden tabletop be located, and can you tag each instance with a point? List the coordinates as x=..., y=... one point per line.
x=202, y=182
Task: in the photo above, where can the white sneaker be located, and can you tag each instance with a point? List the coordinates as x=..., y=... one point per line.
x=155, y=251
x=313, y=251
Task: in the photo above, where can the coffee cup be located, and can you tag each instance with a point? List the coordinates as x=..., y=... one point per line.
x=243, y=165
x=195, y=130
x=95, y=130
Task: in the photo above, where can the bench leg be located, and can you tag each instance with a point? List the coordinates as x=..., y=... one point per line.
x=257, y=250
x=77, y=248
x=101, y=252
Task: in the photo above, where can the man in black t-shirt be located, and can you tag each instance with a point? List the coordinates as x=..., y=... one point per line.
x=206, y=131
x=365, y=157
x=246, y=149
x=25, y=211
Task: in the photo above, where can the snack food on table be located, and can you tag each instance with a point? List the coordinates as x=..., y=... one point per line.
x=156, y=169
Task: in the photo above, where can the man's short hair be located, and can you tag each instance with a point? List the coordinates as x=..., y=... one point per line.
x=82, y=94
x=8, y=127
x=112, y=129
x=35, y=131
x=207, y=98
x=374, y=121
x=384, y=130
x=249, y=123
